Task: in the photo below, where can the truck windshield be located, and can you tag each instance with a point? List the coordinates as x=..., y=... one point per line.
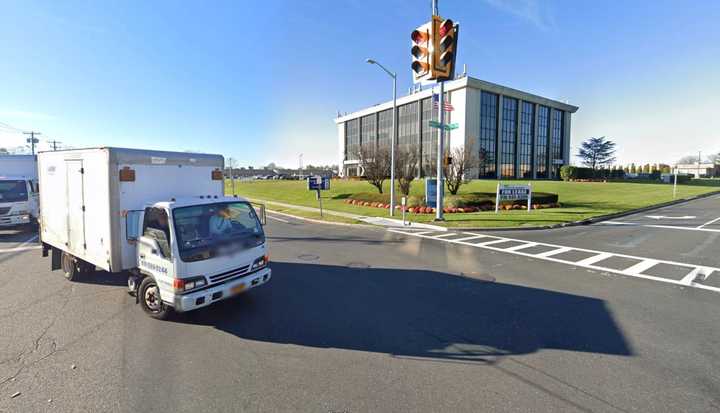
x=205, y=231
x=13, y=191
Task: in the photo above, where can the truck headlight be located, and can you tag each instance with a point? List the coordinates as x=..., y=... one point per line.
x=188, y=284
x=260, y=262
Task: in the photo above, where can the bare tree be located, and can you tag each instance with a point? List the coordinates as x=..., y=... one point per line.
x=376, y=165
x=461, y=160
x=406, y=167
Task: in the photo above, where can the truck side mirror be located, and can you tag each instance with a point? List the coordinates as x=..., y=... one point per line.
x=132, y=225
x=261, y=213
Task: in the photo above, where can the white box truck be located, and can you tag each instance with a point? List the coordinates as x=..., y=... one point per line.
x=161, y=217
x=18, y=191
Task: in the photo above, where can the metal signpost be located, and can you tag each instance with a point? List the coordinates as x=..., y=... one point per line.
x=513, y=193
x=318, y=183
x=403, y=202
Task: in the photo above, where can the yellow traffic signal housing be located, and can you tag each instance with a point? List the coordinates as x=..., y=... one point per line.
x=422, y=52
x=444, y=45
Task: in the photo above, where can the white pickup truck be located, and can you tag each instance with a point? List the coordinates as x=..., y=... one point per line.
x=18, y=191
x=161, y=217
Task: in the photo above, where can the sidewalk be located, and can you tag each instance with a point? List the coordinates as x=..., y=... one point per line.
x=385, y=222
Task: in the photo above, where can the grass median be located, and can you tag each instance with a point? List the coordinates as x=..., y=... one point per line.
x=579, y=200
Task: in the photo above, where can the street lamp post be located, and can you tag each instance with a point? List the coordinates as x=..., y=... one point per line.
x=394, y=136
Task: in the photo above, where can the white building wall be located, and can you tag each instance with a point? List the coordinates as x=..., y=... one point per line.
x=341, y=148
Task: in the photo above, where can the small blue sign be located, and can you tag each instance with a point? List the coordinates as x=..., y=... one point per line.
x=317, y=183
x=431, y=192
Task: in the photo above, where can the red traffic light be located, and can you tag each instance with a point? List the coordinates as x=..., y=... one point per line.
x=419, y=36
x=445, y=27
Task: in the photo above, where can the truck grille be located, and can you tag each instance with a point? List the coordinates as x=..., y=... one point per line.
x=4, y=210
x=228, y=274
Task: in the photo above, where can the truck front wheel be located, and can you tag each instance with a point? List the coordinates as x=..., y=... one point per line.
x=152, y=304
x=70, y=267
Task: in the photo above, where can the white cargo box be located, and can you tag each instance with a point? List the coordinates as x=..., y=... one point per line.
x=86, y=193
x=18, y=166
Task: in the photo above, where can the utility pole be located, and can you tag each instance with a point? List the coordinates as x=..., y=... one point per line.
x=300, y=165
x=54, y=144
x=32, y=140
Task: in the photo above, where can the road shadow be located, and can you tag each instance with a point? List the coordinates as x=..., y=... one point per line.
x=100, y=277
x=412, y=313
x=16, y=235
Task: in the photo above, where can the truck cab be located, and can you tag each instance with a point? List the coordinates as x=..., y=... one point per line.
x=194, y=251
x=18, y=201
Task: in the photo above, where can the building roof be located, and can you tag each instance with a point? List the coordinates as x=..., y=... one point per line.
x=459, y=84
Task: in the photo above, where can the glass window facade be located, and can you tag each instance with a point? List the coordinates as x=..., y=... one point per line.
x=408, y=125
x=527, y=123
x=507, y=143
x=429, y=138
x=488, y=133
x=385, y=125
x=556, y=142
x=352, y=139
x=368, y=131
x=541, y=146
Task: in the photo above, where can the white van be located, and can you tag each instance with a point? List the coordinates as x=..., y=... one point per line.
x=161, y=216
x=18, y=191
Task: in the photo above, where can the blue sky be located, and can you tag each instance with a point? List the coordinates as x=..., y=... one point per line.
x=262, y=81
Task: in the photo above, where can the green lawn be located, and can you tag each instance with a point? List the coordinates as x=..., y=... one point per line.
x=579, y=200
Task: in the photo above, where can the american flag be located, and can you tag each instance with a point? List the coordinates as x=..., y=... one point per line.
x=446, y=105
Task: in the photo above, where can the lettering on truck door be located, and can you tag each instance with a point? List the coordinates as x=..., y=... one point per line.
x=75, y=204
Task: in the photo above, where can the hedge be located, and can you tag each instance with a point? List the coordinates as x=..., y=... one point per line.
x=568, y=173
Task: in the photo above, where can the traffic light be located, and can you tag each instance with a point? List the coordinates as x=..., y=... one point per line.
x=444, y=36
x=421, y=45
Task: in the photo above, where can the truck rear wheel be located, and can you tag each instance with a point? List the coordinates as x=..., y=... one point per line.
x=152, y=304
x=70, y=267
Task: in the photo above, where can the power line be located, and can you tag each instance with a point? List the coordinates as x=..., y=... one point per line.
x=10, y=127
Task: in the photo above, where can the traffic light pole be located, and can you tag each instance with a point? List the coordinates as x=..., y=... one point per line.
x=441, y=134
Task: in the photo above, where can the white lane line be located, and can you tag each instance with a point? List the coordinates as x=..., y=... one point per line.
x=445, y=235
x=522, y=247
x=691, y=276
x=558, y=249
x=698, y=229
x=278, y=219
x=641, y=267
x=708, y=223
x=496, y=241
x=469, y=238
x=594, y=259
x=23, y=246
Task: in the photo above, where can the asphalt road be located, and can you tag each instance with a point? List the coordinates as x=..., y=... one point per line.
x=368, y=320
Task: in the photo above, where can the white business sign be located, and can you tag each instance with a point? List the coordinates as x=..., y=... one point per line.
x=513, y=193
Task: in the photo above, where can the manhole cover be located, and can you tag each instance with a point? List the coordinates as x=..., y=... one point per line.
x=357, y=265
x=309, y=257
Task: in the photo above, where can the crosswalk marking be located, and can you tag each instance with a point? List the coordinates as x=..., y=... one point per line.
x=696, y=273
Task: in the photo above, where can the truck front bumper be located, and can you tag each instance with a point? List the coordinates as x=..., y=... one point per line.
x=13, y=220
x=202, y=298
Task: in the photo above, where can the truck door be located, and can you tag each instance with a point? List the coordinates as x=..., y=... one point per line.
x=154, y=251
x=75, y=205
